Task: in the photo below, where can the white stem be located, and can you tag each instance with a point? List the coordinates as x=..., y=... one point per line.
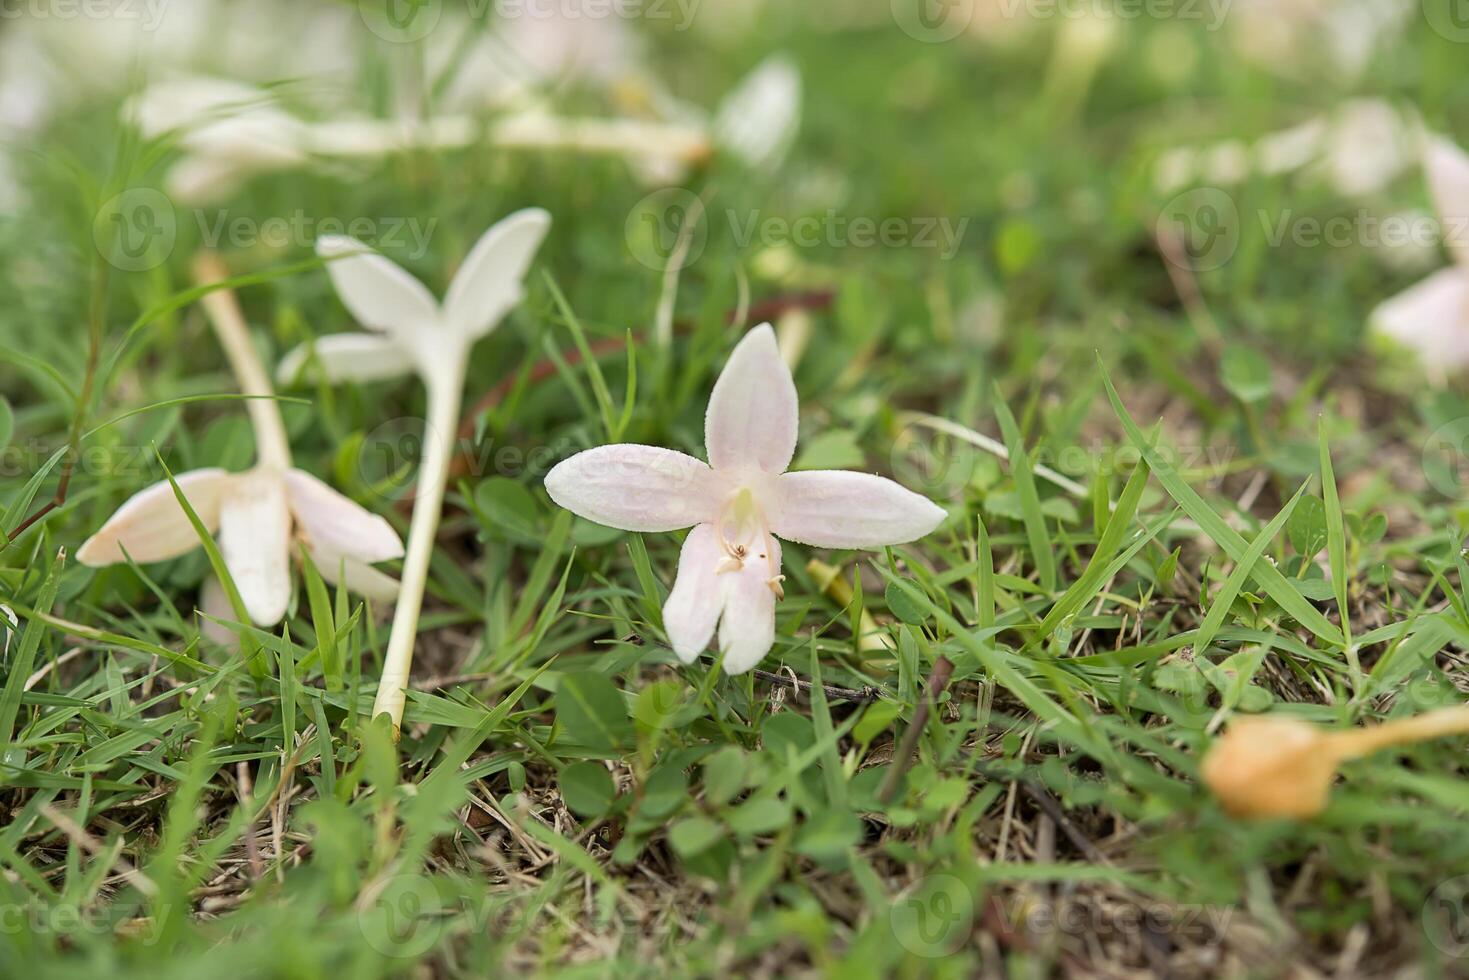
x=521, y=130
x=445, y=393
x=272, y=448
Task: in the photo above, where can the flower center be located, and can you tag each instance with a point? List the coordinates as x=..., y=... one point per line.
x=744, y=533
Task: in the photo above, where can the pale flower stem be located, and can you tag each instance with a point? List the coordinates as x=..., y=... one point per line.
x=1434, y=724
x=523, y=130
x=445, y=392
x=272, y=448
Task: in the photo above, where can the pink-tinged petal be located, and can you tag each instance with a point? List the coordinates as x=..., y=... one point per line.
x=376, y=291
x=214, y=603
x=342, y=357
x=747, y=627
x=1431, y=319
x=693, y=607
x=838, y=509
x=1448, y=179
x=358, y=577
x=338, y=524
x=636, y=488
x=488, y=283
x=753, y=409
x=757, y=122
x=255, y=542
x=152, y=526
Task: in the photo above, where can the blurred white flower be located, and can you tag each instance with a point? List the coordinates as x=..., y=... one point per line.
x=757, y=122
x=1432, y=318
x=231, y=131
x=1358, y=149
x=1294, y=37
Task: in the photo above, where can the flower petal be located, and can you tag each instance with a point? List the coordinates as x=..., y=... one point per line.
x=753, y=409
x=1432, y=319
x=757, y=122
x=693, y=607
x=379, y=293
x=747, y=628
x=838, y=509
x=338, y=524
x=1448, y=180
x=636, y=488
x=214, y=603
x=346, y=357
x=152, y=526
x=488, y=283
x=357, y=576
x=255, y=541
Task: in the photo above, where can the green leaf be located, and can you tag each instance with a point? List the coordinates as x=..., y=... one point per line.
x=664, y=792
x=591, y=711
x=1307, y=527
x=7, y=422
x=1336, y=535
x=761, y=816
x=1267, y=575
x=508, y=505
x=724, y=775
x=877, y=719
x=25, y=657
x=902, y=607
x=694, y=836
x=587, y=789
x=658, y=705
x=829, y=835
x=1246, y=374
x=1220, y=607
x=1030, y=502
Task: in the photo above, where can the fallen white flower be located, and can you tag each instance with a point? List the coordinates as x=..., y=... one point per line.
x=1432, y=317
x=260, y=516
x=231, y=132
x=738, y=504
x=413, y=332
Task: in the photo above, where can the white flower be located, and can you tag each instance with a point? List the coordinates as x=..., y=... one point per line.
x=414, y=332
x=1432, y=318
x=738, y=504
x=257, y=516
x=758, y=121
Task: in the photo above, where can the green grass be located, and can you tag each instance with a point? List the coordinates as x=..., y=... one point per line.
x=1261, y=529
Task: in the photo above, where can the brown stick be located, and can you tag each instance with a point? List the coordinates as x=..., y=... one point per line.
x=865, y=694
x=943, y=669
